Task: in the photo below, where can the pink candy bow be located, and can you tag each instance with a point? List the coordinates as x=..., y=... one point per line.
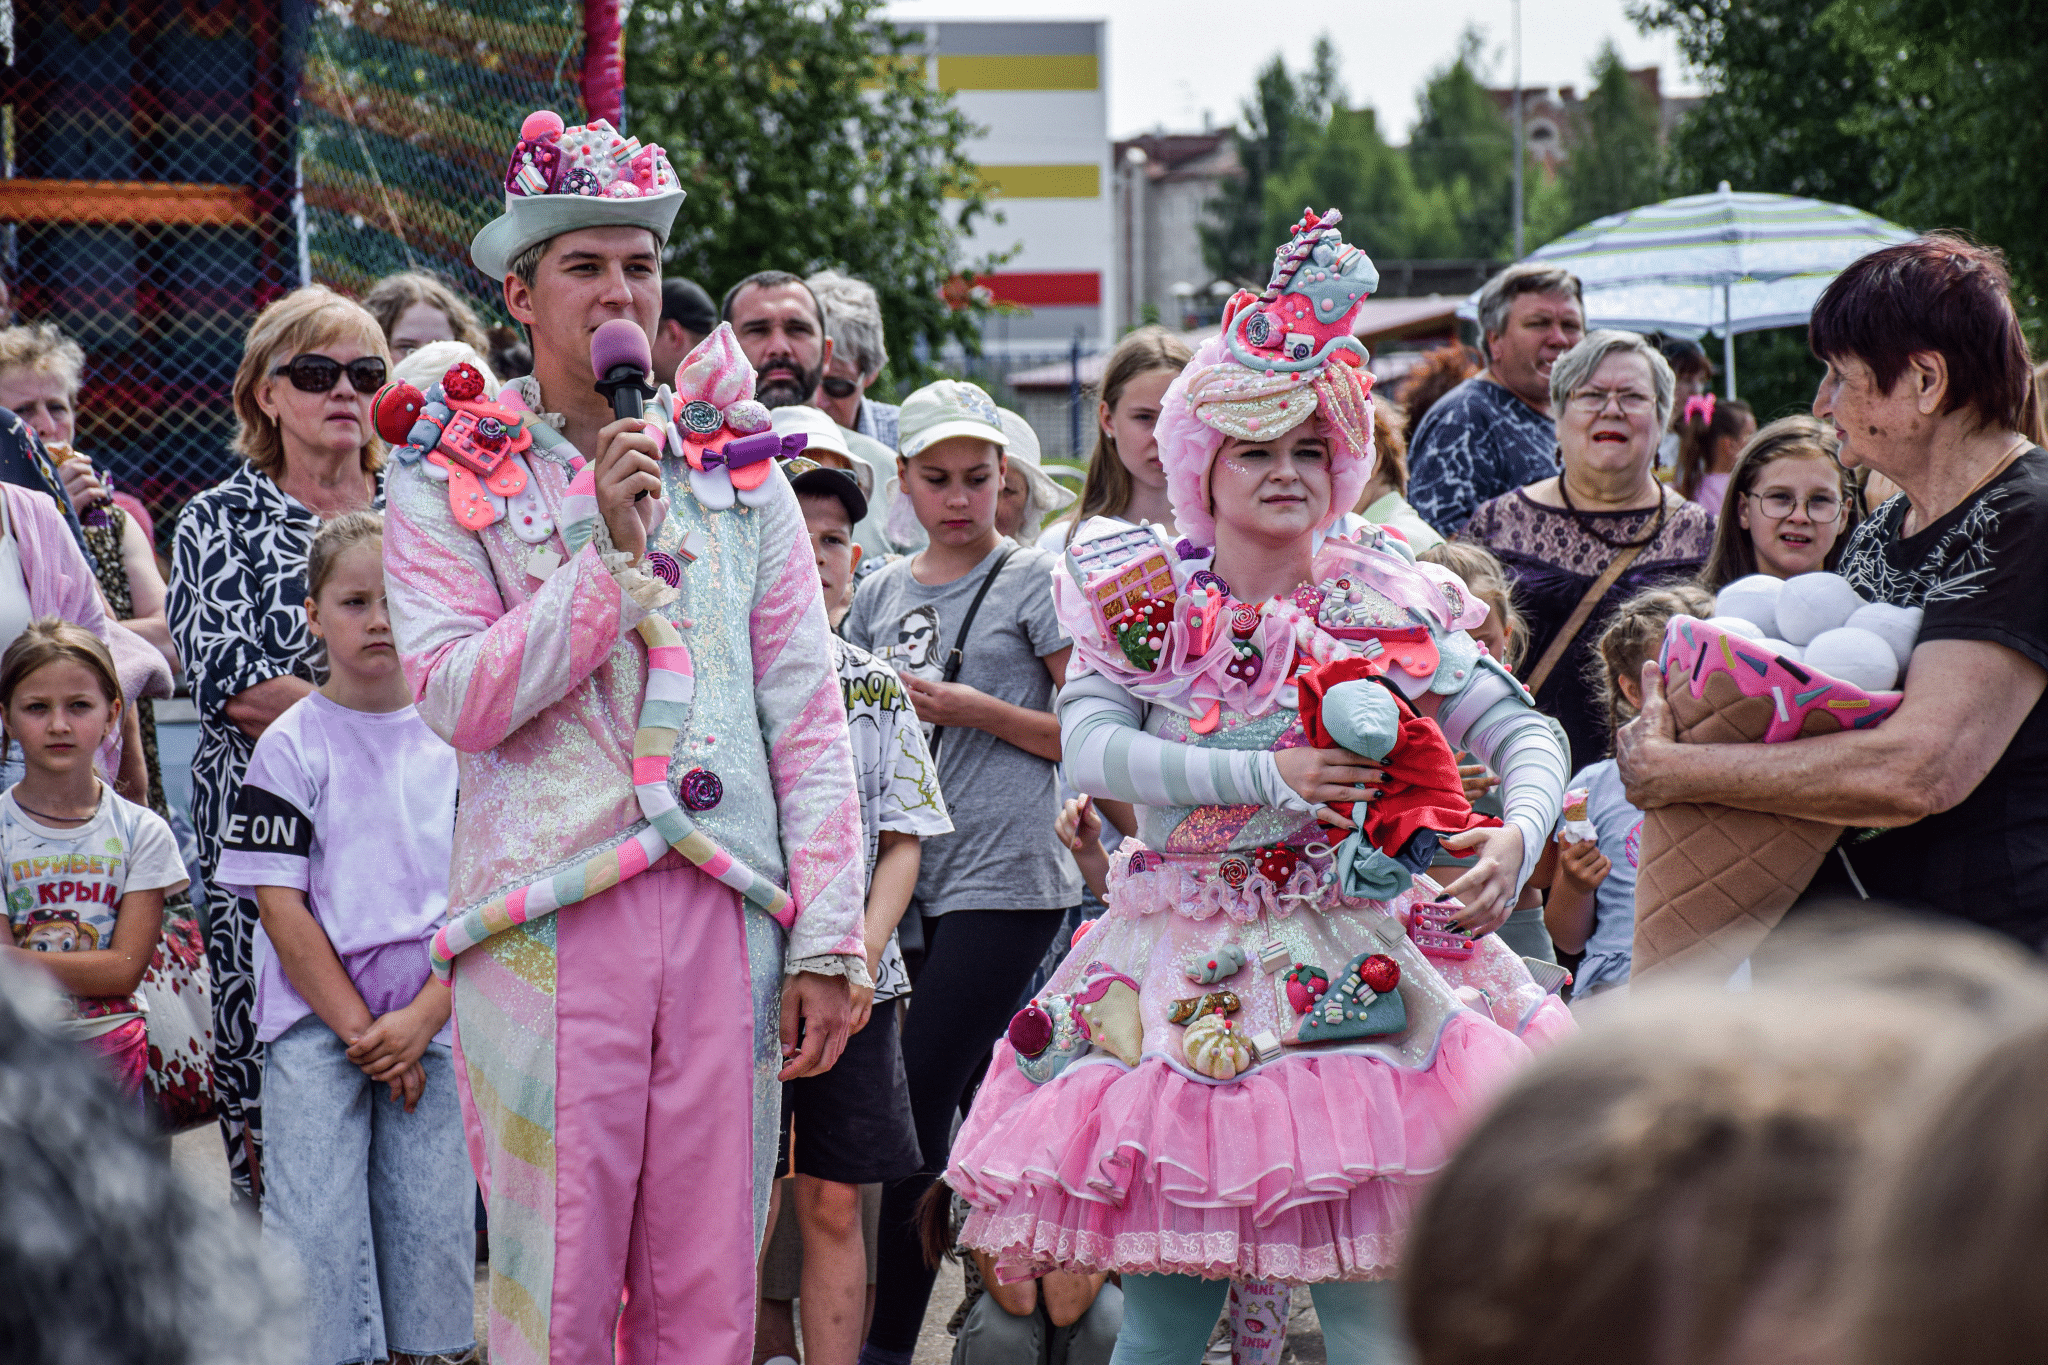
x=1700, y=405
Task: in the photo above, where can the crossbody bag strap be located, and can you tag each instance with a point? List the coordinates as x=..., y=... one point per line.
x=954, y=660
x=1562, y=641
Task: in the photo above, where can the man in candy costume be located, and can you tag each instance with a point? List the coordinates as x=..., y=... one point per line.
x=657, y=878
x=1249, y=1065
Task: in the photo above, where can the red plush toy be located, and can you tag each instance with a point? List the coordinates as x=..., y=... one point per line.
x=1421, y=791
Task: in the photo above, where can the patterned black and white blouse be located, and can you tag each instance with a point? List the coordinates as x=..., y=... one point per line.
x=1477, y=442
x=237, y=614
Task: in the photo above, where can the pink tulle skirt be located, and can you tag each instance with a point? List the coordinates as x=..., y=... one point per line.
x=1303, y=1169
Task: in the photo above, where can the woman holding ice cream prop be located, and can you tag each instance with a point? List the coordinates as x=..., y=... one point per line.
x=1928, y=384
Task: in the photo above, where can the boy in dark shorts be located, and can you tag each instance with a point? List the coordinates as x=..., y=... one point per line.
x=851, y=1126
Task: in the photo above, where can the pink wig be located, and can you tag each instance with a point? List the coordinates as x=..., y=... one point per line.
x=1188, y=446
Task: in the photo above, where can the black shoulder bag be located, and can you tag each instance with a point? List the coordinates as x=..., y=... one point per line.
x=953, y=660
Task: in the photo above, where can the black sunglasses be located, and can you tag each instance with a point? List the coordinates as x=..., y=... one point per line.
x=837, y=387
x=318, y=374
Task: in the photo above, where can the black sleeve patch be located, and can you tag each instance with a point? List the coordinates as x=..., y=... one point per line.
x=265, y=822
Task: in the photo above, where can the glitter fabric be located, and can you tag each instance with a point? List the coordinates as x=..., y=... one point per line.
x=1307, y=1166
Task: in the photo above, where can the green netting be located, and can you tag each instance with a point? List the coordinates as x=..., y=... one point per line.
x=409, y=112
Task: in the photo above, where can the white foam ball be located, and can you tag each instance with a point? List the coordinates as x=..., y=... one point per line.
x=1812, y=603
x=1854, y=655
x=1754, y=598
x=1736, y=625
x=1898, y=627
x=1784, y=649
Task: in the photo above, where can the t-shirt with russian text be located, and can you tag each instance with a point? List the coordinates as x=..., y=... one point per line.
x=1978, y=573
x=357, y=810
x=892, y=771
x=64, y=887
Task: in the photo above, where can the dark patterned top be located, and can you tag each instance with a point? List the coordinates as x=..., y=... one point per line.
x=1478, y=442
x=237, y=615
x=1979, y=574
x=1553, y=559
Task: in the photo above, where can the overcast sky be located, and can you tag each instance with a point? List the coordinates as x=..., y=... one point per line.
x=1172, y=60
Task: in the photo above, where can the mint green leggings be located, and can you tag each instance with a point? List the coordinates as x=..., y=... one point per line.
x=1167, y=1319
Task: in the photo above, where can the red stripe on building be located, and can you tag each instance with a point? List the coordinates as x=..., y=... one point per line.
x=1041, y=288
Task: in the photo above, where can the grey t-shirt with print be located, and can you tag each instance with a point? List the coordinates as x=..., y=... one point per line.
x=1002, y=853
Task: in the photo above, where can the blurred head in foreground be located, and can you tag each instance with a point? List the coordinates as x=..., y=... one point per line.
x=108, y=1258
x=1668, y=1188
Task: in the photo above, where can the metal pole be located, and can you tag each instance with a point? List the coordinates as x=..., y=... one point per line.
x=1074, y=398
x=1518, y=129
x=1728, y=335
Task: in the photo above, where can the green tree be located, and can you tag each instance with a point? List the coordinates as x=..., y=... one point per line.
x=807, y=136
x=1954, y=110
x=1462, y=154
x=1785, y=95
x=1618, y=160
x=1234, y=241
x=1347, y=164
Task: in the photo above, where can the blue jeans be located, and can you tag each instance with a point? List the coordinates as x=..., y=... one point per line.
x=378, y=1204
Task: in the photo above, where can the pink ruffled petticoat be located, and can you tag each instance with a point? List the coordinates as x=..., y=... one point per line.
x=1303, y=1169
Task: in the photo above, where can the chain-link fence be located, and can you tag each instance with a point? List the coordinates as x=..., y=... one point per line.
x=410, y=114
x=147, y=211
x=154, y=150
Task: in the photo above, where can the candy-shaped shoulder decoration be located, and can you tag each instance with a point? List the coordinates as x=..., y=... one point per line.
x=726, y=436
x=472, y=443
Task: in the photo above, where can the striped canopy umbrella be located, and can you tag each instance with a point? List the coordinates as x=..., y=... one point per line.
x=1721, y=262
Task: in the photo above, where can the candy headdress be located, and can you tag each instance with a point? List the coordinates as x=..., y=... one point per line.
x=561, y=179
x=1284, y=355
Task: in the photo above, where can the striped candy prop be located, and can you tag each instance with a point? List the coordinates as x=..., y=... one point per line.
x=671, y=685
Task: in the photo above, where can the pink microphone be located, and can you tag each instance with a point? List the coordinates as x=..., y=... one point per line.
x=620, y=358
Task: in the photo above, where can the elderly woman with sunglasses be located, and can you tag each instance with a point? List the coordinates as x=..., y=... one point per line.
x=313, y=362
x=1602, y=528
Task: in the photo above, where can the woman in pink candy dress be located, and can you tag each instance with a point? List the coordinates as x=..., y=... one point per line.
x=1249, y=1066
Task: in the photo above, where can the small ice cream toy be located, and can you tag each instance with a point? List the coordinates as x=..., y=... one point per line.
x=1577, y=827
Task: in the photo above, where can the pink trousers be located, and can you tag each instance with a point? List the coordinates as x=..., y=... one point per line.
x=652, y=1116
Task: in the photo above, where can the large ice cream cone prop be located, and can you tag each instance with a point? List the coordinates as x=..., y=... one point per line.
x=1712, y=881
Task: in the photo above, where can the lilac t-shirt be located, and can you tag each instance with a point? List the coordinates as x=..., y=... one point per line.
x=357, y=810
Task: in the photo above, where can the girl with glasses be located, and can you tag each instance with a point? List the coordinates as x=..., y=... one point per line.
x=1789, y=508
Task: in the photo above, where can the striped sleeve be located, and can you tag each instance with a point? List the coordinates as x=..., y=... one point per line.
x=1491, y=720
x=1108, y=754
x=481, y=669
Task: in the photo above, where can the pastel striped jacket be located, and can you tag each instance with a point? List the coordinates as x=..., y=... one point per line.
x=533, y=671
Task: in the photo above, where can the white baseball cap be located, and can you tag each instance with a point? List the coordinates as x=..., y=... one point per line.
x=944, y=409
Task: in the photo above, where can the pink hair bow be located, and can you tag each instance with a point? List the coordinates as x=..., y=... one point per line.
x=1700, y=405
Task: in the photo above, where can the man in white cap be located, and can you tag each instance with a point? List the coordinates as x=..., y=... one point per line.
x=630, y=980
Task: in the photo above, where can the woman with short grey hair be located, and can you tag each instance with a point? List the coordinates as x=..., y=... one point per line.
x=1603, y=528
x=853, y=324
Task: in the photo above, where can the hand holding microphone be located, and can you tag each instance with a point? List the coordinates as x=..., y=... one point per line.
x=626, y=468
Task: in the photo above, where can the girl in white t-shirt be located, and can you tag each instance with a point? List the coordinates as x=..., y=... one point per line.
x=341, y=835
x=85, y=870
